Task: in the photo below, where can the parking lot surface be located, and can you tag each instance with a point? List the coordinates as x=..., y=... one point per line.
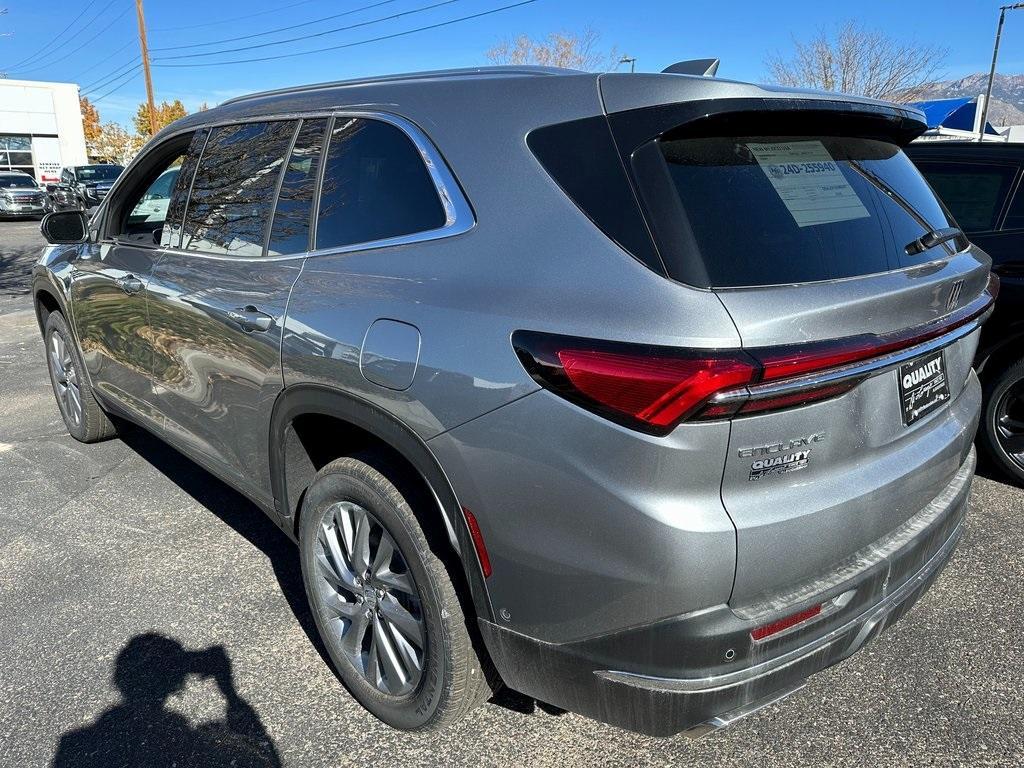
x=149, y=615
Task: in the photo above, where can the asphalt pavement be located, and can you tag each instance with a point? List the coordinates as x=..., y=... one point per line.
x=149, y=615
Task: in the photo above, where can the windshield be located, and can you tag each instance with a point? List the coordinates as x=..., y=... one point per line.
x=767, y=210
x=89, y=173
x=17, y=182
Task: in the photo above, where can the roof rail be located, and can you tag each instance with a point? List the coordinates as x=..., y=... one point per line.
x=702, y=67
x=428, y=75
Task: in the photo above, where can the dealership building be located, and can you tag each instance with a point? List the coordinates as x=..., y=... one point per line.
x=40, y=128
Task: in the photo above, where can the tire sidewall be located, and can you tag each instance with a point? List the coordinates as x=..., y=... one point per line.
x=1003, y=382
x=417, y=709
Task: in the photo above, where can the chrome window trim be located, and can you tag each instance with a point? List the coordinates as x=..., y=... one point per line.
x=459, y=216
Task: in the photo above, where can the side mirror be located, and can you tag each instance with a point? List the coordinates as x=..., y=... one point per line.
x=158, y=235
x=65, y=227
x=51, y=188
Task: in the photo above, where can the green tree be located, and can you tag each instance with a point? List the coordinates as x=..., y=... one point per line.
x=166, y=113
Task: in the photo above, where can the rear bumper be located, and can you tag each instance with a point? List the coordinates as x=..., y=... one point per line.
x=621, y=678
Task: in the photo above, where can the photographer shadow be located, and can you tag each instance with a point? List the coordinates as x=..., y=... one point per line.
x=142, y=731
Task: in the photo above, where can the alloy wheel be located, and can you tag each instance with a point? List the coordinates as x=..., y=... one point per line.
x=370, y=599
x=1009, y=418
x=65, y=379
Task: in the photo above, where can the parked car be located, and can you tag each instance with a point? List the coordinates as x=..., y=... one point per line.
x=647, y=396
x=85, y=185
x=20, y=195
x=981, y=184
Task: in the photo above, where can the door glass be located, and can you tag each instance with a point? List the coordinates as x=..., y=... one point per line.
x=144, y=204
x=375, y=186
x=171, y=235
x=290, y=232
x=233, y=190
x=973, y=192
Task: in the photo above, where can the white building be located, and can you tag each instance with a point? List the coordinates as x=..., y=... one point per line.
x=40, y=128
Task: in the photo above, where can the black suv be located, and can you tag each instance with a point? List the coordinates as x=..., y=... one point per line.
x=983, y=186
x=85, y=185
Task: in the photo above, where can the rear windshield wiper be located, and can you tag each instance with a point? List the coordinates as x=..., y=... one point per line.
x=932, y=238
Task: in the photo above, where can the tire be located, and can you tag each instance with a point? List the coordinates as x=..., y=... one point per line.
x=87, y=422
x=380, y=670
x=1002, y=427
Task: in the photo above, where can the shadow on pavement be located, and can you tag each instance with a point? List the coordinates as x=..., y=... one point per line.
x=236, y=511
x=16, y=266
x=142, y=731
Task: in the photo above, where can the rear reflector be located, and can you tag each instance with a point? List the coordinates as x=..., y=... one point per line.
x=782, y=624
x=478, y=542
x=653, y=388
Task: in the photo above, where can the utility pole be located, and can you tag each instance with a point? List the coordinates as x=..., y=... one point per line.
x=992, y=72
x=145, y=67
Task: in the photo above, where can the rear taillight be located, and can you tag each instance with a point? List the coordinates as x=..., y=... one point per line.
x=654, y=388
x=649, y=388
x=762, y=633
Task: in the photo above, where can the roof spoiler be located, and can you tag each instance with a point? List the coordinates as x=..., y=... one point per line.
x=702, y=67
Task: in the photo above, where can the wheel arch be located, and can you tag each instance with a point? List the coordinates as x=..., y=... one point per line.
x=362, y=425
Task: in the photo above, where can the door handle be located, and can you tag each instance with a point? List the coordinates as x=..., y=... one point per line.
x=129, y=284
x=250, y=319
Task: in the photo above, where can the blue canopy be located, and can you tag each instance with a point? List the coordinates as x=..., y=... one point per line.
x=957, y=114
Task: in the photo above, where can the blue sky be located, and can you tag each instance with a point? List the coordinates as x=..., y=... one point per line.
x=657, y=33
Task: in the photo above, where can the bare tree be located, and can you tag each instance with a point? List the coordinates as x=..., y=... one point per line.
x=558, y=49
x=854, y=59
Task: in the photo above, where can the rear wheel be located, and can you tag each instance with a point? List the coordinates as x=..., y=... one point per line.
x=1003, y=429
x=83, y=416
x=384, y=604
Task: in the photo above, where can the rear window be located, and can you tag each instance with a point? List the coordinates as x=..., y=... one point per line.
x=91, y=173
x=731, y=211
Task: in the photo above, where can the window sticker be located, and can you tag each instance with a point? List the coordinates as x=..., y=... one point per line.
x=809, y=182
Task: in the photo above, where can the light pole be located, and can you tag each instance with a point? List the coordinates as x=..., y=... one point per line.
x=632, y=60
x=992, y=72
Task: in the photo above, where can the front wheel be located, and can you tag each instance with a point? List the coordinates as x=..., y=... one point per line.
x=83, y=416
x=385, y=606
x=1003, y=427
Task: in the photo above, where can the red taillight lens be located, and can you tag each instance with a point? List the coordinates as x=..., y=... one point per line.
x=647, y=388
x=655, y=390
x=790, y=621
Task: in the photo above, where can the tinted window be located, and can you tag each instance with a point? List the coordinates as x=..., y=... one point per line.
x=90, y=173
x=148, y=206
x=973, y=192
x=1015, y=216
x=765, y=210
x=17, y=181
x=233, y=190
x=171, y=235
x=290, y=233
x=375, y=186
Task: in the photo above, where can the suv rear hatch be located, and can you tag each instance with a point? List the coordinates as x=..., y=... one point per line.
x=815, y=231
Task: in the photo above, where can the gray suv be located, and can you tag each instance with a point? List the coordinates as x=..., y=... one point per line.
x=647, y=396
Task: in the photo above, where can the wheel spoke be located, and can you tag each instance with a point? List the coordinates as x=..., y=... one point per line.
x=76, y=402
x=352, y=636
x=385, y=551
x=361, y=542
x=1011, y=424
x=410, y=659
x=396, y=677
x=403, y=621
x=1013, y=444
x=55, y=367
x=342, y=608
x=334, y=561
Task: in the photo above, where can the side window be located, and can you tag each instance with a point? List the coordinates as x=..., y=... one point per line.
x=233, y=190
x=973, y=192
x=292, y=217
x=375, y=186
x=1015, y=216
x=171, y=235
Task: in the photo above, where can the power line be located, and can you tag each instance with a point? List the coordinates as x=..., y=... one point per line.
x=233, y=18
x=97, y=85
x=274, y=31
x=359, y=42
x=307, y=37
x=49, y=64
x=53, y=40
x=105, y=59
x=134, y=75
